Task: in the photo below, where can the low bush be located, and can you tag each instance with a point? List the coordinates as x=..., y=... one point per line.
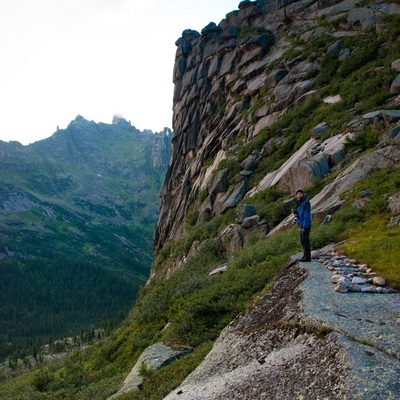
x=334, y=231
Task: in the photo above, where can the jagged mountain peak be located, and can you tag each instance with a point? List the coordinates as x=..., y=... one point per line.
x=86, y=197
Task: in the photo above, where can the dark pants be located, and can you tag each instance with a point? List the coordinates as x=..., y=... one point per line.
x=305, y=242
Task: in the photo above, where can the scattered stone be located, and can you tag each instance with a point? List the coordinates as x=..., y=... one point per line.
x=396, y=65
x=245, y=211
x=319, y=130
x=368, y=289
x=358, y=280
x=394, y=221
x=328, y=218
x=315, y=254
x=394, y=203
x=349, y=276
x=332, y=99
x=219, y=269
x=366, y=192
x=395, y=86
x=336, y=278
x=335, y=47
x=379, y=281
x=248, y=222
x=355, y=288
x=394, y=132
x=343, y=285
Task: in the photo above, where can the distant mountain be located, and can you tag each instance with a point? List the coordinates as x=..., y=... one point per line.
x=77, y=215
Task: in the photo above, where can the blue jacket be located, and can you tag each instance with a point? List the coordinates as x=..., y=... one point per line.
x=303, y=211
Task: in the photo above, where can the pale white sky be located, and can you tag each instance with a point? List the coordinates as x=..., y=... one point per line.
x=95, y=58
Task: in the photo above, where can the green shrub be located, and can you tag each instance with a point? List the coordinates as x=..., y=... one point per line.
x=256, y=30
x=270, y=206
x=382, y=183
x=394, y=26
x=203, y=194
x=367, y=89
x=366, y=139
x=233, y=167
x=41, y=380
x=329, y=66
x=324, y=233
x=191, y=217
x=359, y=57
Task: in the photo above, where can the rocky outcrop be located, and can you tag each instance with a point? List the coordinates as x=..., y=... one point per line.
x=312, y=160
x=328, y=200
x=231, y=83
x=303, y=340
x=153, y=358
x=161, y=149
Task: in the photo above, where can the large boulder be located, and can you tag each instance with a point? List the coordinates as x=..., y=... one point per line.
x=364, y=17
x=328, y=200
x=395, y=86
x=312, y=160
x=227, y=200
x=153, y=357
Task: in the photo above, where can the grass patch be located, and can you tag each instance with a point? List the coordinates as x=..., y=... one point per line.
x=375, y=244
x=336, y=230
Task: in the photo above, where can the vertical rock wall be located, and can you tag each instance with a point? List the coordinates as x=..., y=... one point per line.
x=225, y=71
x=207, y=105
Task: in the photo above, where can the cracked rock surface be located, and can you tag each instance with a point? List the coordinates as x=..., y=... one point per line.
x=304, y=341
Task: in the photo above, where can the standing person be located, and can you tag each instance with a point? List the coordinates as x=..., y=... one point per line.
x=303, y=213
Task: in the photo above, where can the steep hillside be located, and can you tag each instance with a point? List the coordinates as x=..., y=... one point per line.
x=270, y=77
x=77, y=215
x=279, y=95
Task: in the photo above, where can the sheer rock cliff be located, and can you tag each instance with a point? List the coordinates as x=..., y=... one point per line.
x=235, y=79
x=234, y=84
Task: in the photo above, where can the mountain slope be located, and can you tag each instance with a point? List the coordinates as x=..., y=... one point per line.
x=77, y=215
x=280, y=94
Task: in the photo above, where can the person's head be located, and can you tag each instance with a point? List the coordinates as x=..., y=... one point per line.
x=299, y=194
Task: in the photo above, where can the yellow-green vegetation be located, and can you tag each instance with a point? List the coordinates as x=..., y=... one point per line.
x=377, y=245
x=372, y=241
x=195, y=306
x=270, y=205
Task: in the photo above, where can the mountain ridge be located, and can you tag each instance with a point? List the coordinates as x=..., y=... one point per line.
x=88, y=194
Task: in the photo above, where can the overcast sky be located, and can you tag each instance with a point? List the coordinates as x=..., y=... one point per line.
x=95, y=58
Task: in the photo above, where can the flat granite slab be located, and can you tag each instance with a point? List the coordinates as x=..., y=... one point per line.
x=369, y=326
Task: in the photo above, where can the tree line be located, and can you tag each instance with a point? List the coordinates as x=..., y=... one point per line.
x=40, y=299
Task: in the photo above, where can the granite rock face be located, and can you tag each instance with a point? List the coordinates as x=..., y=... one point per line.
x=304, y=340
x=229, y=68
